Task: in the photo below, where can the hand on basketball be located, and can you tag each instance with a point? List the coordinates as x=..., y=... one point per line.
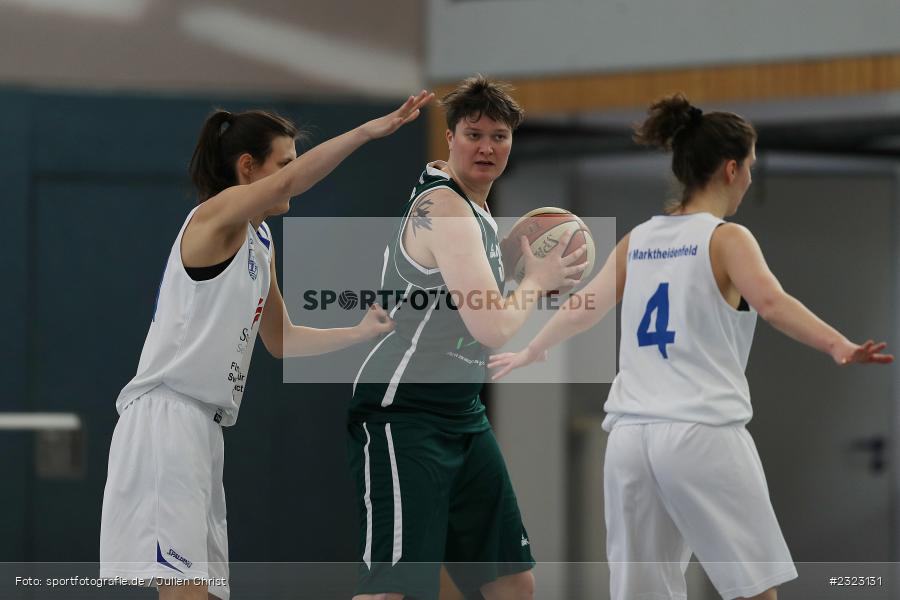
x=870, y=352
x=388, y=124
x=376, y=322
x=508, y=361
x=554, y=271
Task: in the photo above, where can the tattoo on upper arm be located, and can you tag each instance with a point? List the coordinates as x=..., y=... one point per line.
x=419, y=216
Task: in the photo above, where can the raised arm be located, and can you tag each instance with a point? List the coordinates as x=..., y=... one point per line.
x=284, y=339
x=581, y=311
x=240, y=203
x=746, y=267
x=455, y=242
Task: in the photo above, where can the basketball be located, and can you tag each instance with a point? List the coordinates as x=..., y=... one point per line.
x=544, y=227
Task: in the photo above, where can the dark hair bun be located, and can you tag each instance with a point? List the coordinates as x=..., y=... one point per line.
x=667, y=118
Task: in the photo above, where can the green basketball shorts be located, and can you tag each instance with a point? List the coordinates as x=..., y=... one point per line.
x=427, y=497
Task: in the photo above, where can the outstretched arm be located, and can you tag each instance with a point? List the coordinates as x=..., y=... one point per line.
x=284, y=339
x=743, y=260
x=580, y=312
x=240, y=203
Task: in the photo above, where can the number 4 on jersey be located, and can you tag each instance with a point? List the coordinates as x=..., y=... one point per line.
x=659, y=302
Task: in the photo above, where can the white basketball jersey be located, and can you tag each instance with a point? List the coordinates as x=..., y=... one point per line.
x=202, y=334
x=683, y=349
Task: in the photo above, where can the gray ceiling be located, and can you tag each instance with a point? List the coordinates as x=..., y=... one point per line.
x=302, y=48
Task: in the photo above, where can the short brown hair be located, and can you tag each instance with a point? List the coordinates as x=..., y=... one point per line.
x=477, y=96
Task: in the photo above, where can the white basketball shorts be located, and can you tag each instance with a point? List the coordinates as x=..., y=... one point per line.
x=164, y=505
x=675, y=488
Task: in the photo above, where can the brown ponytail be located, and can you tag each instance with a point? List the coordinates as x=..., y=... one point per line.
x=699, y=142
x=225, y=137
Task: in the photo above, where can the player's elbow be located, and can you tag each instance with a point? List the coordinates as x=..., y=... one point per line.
x=275, y=188
x=273, y=345
x=282, y=187
x=490, y=334
x=492, y=339
x=275, y=350
x=581, y=315
x=769, y=305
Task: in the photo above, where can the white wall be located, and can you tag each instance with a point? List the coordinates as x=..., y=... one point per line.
x=530, y=420
x=528, y=37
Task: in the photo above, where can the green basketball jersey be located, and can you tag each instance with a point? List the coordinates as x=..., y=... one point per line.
x=429, y=368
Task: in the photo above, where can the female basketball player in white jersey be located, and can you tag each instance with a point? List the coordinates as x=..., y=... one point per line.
x=682, y=474
x=164, y=505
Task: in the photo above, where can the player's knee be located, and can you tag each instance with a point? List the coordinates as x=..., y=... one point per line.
x=525, y=585
x=519, y=586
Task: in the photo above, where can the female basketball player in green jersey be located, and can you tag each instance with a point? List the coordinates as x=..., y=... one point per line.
x=432, y=486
